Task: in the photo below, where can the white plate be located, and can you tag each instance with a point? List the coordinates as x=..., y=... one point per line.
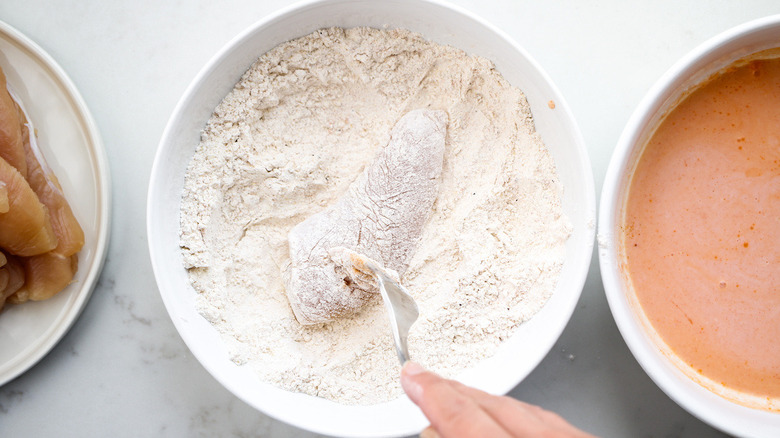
x=73, y=149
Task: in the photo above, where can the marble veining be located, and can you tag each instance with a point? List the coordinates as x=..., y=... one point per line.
x=8, y=398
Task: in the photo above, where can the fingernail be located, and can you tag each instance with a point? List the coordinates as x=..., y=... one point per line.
x=412, y=388
x=412, y=368
x=429, y=432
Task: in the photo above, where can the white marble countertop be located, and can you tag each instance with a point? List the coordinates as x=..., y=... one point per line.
x=122, y=370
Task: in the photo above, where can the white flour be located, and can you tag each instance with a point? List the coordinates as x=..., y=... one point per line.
x=286, y=143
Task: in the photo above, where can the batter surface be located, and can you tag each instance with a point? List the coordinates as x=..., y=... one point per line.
x=702, y=229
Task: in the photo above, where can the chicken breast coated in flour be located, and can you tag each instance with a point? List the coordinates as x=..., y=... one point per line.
x=381, y=216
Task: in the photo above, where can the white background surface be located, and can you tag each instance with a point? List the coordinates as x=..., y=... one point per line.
x=123, y=371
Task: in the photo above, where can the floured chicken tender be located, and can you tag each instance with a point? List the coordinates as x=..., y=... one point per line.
x=381, y=216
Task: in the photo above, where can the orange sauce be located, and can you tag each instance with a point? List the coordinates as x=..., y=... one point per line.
x=702, y=229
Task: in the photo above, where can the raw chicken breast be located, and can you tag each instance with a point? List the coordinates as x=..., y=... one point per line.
x=10, y=130
x=44, y=276
x=70, y=236
x=25, y=229
x=48, y=273
x=13, y=274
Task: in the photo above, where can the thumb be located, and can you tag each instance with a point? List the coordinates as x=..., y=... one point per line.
x=410, y=380
x=451, y=412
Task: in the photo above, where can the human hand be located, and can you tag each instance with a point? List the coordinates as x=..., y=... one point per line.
x=458, y=411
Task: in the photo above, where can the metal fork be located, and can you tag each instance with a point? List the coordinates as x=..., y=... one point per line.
x=400, y=306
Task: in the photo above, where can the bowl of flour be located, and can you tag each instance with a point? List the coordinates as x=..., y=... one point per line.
x=279, y=125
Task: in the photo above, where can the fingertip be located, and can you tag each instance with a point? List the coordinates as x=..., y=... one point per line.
x=429, y=432
x=408, y=382
x=411, y=368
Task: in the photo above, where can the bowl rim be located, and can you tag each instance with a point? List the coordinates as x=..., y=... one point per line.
x=659, y=368
x=578, y=272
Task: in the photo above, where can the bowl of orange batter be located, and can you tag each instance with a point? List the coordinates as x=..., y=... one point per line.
x=688, y=231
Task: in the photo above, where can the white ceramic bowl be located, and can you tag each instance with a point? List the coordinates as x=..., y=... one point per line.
x=438, y=22
x=696, y=66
